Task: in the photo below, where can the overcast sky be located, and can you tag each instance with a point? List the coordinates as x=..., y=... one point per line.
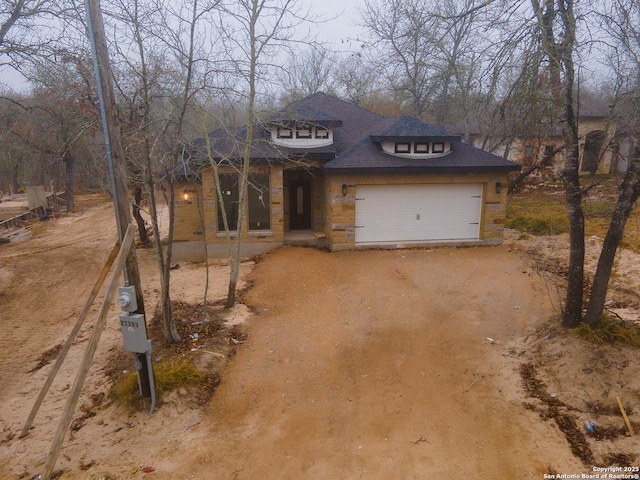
x=343, y=15
x=338, y=32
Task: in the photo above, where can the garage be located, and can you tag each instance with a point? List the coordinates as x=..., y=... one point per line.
x=417, y=212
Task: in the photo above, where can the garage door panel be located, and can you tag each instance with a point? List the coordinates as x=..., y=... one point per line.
x=400, y=213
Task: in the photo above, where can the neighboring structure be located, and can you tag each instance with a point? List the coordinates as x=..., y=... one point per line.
x=598, y=145
x=597, y=152
x=328, y=172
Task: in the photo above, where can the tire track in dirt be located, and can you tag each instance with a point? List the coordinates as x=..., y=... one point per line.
x=44, y=283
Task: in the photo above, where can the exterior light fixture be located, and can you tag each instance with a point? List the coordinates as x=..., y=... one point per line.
x=187, y=195
x=344, y=189
x=498, y=187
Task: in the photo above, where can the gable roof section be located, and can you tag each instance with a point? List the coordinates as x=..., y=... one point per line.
x=395, y=129
x=357, y=122
x=302, y=112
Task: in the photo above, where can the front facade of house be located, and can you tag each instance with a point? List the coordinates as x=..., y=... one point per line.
x=329, y=173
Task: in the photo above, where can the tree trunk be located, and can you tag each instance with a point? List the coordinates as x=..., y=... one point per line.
x=142, y=228
x=14, y=185
x=626, y=200
x=69, y=163
x=255, y=9
x=575, y=276
x=170, y=329
x=559, y=46
x=573, y=194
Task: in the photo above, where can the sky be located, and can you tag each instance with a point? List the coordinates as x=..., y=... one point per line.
x=342, y=16
x=338, y=31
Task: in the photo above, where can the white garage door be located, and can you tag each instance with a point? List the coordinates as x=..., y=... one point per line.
x=409, y=213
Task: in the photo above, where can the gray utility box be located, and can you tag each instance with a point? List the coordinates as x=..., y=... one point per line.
x=134, y=333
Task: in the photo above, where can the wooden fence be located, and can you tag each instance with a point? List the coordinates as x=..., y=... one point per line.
x=55, y=201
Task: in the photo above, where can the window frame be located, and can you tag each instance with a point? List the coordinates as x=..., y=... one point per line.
x=265, y=191
x=322, y=133
x=417, y=147
x=234, y=193
x=403, y=147
x=285, y=129
x=303, y=128
x=437, y=147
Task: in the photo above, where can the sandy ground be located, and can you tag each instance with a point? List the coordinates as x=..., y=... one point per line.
x=377, y=364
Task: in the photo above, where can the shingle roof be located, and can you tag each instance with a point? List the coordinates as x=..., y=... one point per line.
x=301, y=112
x=368, y=157
x=230, y=145
x=356, y=136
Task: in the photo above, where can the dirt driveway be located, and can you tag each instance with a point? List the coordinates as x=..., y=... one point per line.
x=378, y=365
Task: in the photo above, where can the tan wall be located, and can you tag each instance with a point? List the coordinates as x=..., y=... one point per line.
x=188, y=224
x=587, y=125
x=340, y=209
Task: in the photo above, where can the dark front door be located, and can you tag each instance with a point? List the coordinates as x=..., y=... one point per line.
x=300, y=204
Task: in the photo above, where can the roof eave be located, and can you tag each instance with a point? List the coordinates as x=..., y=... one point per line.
x=290, y=122
x=418, y=170
x=414, y=138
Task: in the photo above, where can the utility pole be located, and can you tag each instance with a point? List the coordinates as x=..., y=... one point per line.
x=117, y=167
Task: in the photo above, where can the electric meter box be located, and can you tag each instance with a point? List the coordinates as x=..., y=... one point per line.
x=127, y=298
x=134, y=333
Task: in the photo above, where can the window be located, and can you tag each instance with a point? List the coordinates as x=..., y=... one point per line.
x=303, y=132
x=322, y=133
x=437, y=148
x=259, y=202
x=421, y=148
x=285, y=133
x=403, y=148
x=528, y=150
x=229, y=187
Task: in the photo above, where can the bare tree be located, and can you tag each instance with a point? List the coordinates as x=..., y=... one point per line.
x=260, y=30
x=57, y=120
x=308, y=73
x=403, y=48
x=159, y=99
x=357, y=80
x=31, y=28
x=620, y=20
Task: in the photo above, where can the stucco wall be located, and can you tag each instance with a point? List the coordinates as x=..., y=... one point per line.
x=340, y=209
x=587, y=125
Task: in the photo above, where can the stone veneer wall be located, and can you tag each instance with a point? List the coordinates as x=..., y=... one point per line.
x=189, y=233
x=340, y=210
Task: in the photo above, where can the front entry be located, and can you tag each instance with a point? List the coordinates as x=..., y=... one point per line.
x=300, y=204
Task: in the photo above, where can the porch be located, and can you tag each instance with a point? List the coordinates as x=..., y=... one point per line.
x=305, y=238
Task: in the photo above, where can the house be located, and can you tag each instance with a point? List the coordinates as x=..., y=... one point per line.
x=598, y=143
x=327, y=172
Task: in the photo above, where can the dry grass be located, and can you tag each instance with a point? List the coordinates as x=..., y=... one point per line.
x=610, y=330
x=169, y=375
x=542, y=212
x=545, y=224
